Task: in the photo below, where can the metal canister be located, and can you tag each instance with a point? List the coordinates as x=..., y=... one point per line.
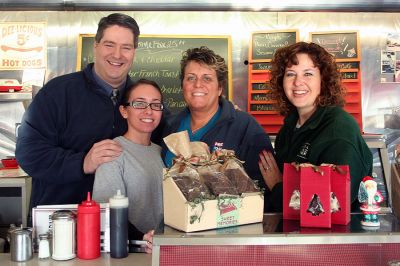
x=21, y=248
x=64, y=230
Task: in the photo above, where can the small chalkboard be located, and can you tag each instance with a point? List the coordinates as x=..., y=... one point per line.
x=261, y=107
x=261, y=66
x=158, y=58
x=349, y=75
x=264, y=44
x=258, y=86
x=348, y=65
x=259, y=97
x=343, y=45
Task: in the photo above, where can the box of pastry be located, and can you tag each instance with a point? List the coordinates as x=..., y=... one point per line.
x=204, y=190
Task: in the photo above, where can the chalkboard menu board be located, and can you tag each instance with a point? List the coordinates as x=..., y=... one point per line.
x=343, y=45
x=158, y=58
x=264, y=44
x=262, y=47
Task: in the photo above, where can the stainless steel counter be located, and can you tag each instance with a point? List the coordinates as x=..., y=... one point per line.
x=281, y=242
x=105, y=260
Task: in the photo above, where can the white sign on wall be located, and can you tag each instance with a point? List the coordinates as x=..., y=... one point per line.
x=23, y=45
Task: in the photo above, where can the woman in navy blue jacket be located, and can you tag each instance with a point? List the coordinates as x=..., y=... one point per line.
x=210, y=118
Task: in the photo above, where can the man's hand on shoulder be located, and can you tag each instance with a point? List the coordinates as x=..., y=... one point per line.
x=101, y=152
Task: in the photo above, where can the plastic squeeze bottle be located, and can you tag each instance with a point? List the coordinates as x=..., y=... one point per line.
x=119, y=226
x=88, y=223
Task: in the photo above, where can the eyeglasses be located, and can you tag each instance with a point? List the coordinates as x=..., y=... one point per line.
x=144, y=105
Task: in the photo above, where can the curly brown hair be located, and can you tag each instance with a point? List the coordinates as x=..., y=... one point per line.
x=332, y=91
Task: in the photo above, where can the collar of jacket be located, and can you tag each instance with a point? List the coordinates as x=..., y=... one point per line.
x=227, y=113
x=88, y=74
x=311, y=123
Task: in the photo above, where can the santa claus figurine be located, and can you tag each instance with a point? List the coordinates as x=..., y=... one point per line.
x=369, y=197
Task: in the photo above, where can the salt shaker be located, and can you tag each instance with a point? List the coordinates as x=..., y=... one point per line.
x=44, y=247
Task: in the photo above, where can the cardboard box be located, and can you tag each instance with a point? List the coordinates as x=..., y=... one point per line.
x=210, y=214
x=41, y=221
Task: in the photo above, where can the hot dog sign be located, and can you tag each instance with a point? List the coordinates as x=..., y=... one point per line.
x=23, y=45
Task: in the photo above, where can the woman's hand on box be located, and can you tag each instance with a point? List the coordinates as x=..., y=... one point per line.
x=269, y=169
x=149, y=238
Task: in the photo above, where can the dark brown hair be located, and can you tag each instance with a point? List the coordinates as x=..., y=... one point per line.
x=332, y=90
x=121, y=20
x=125, y=97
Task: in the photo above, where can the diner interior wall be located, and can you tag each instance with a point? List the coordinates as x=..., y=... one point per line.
x=64, y=27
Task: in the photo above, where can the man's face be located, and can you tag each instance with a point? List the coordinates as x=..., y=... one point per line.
x=114, y=55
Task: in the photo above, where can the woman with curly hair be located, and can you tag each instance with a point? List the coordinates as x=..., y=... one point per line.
x=306, y=85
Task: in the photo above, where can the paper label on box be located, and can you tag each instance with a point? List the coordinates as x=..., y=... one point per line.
x=228, y=211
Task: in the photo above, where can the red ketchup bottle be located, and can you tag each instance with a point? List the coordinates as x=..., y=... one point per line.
x=88, y=223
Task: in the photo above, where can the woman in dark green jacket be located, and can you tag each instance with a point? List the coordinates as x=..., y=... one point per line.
x=307, y=87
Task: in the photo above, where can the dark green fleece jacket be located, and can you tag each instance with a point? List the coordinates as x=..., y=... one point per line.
x=330, y=135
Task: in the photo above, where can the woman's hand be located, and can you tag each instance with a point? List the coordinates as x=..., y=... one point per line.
x=269, y=169
x=149, y=238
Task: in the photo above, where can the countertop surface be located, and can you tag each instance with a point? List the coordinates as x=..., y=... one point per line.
x=275, y=230
x=12, y=172
x=133, y=259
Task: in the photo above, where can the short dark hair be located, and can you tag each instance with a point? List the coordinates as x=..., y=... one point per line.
x=125, y=97
x=332, y=90
x=121, y=20
x=204, y=55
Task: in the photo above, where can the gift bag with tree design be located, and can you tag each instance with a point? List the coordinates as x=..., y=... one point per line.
x=315, y=188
